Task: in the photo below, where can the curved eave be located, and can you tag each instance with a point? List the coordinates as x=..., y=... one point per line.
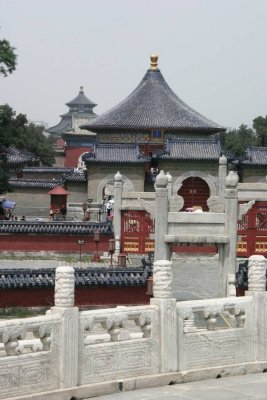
x=142, y=128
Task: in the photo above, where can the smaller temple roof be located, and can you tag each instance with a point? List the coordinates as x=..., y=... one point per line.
x=256, y=156
x=17, y=157
x=81, y=99
x=59, y=191
x=190, y=149
x=34, y=183
x=114, y=153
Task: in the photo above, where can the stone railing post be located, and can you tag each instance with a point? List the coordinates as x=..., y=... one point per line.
x=163, y=298
x=257, y=289
x=162, y=251
x=228, y=253
x=68, y=340
x=117, y=211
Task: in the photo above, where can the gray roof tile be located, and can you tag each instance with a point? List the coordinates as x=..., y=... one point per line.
x=256, y=156
x=89, y=277
x=114, y=153
x=152, y=105
x=35, y=183
x=18, y=157
x=182, y=149
x=55, y=228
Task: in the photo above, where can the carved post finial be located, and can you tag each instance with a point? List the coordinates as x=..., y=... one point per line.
x=64, y=286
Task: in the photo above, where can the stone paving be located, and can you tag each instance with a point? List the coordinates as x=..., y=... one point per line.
x=245, y=387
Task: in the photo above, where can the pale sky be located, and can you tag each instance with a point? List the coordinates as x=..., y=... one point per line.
x=212, y=53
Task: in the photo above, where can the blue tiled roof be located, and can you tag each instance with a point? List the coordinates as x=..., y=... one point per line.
x=152, y=105
x=256, y=156
x=18, y=157
x=90, y=277
x=54, y=228
x=74, y=176
x=34, y=183
x=44, y=170
x=183, y=149
x=114, y=153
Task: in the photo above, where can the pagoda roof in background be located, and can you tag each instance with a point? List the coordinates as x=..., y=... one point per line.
x=153, y=106
x=81, y=99
x=65, y=124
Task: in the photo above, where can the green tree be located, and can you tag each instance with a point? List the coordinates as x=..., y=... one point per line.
x=237, y=140
x=8, y=58
x=260, y=126
x=15, y=131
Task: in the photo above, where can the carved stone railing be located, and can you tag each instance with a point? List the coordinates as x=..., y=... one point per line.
x=215, y=332
x=17, y=336
x=29, y=355
x=118, y=342
x=121, y=323
x=215, y=314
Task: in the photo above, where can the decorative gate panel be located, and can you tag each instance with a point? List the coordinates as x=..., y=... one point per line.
x=135, y=233
x=252, y=231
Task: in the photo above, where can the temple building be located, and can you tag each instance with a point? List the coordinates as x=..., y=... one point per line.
x=153, y=129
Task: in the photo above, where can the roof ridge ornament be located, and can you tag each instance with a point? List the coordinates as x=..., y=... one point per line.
x=154, y=62
x=81, y=89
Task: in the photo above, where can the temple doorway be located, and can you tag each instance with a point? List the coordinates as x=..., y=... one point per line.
x=195, y=192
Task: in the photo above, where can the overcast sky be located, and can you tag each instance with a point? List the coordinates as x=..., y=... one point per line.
x=212, y=53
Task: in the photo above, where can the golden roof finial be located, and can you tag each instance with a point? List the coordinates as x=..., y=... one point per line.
x=81, y=89
x=154, y=62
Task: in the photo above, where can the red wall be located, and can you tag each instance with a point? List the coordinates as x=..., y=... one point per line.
x=72, y=155
x=101, y=296
x=60, y=243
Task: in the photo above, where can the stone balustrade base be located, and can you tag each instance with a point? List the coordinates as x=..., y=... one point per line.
x=142, y=382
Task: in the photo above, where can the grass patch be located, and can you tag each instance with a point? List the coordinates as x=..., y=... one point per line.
x=20, y=312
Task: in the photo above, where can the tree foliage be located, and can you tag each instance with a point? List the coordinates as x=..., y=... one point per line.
x=260, y=126
x=16, y=132
x=8, y=58
x=237, y=140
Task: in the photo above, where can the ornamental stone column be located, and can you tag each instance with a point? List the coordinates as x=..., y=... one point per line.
x=161, y=217
x=117, y=210
x=68, y=338
x=257, y=290
x=163, y=299
x=257, y=274
x=228, y=253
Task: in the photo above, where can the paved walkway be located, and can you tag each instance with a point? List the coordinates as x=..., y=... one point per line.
x=245, y=387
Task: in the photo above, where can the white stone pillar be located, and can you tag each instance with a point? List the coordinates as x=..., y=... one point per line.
x=222, y=173
x=117, y=211
x=162, y=290
x=68, y=340
x=161, y=220
x=257, y=289
x=228, y=264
